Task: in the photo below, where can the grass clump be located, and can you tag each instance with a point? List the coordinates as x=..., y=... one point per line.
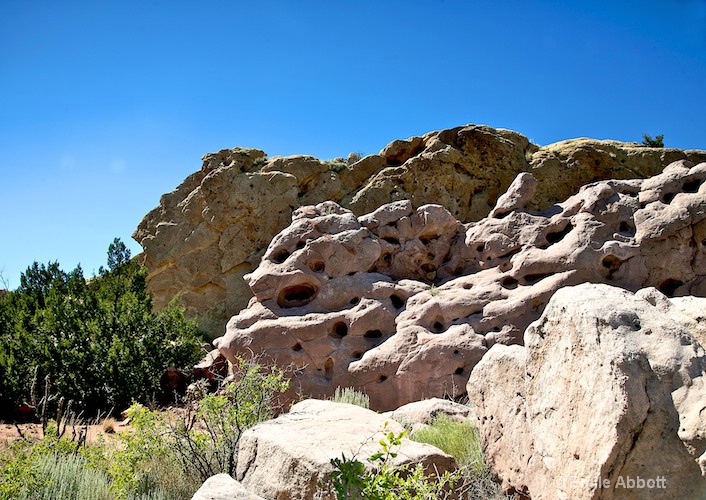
x=461, y=441
x=351, y=396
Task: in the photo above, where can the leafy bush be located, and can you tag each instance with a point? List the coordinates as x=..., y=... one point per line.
x=351, y=480
x=351, y=396
x=657, y=142
x=98, y=340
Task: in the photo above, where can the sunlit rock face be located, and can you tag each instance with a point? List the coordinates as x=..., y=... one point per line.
x=214, y=228
x=403, y=302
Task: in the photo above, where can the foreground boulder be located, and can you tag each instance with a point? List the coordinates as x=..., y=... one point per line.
x=223, y=487
x=402, y=303
x=213, y=229
x=605, y=401
x=290, y=456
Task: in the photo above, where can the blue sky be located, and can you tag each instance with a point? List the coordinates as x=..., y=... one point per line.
x=105, y=106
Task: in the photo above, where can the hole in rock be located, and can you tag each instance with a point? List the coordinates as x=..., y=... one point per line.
x=612, y=264
x=280, y=256
x=467, y=286
x=669, y=286
x=692, y=186
x=557, y=236
x=387, y=258
x=626, y=228
x=668, y=197
x=340, y=330
x=328, y=369
x=426, y=239
x=397, y=301
x=357, y=355
x=510, y=283
x=458, y=371
x=296, y=296
x=438, y=326
x=355, y=300
x=456, y=352
x=316, y=266
x=297, y=347
x=300, y=245
x=480, y=247
x=382, y=378
x=531, y=279
x=351, y=273
x=392, y=240
x=510, y=253
x=428, y=268
x=373, y=334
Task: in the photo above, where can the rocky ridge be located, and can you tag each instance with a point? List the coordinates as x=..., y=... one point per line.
x=214, y=228
x=402, y=303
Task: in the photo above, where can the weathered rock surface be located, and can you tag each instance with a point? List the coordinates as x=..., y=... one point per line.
x=610, y=387
x=421, y=413
x=223, y=487
x=402, y=303
x=287, y=457
x=212, y=230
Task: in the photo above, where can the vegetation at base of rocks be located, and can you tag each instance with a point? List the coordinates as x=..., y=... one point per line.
x=458, y=439
x=164, y=455
x=351, y=480
x=656, y=142
x=471, y=480
x=351, y=396
x=461, y=441
x=98, y=339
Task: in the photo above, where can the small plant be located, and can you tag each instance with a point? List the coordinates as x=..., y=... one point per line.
x=657, y=142
x=461, y=440
x=337, y=164
x=351, y=479
x=434, y=291
x=351, y=396
x=108, y=425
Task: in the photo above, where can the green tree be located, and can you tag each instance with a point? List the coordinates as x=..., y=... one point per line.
x=657, y=142
x=99, y=340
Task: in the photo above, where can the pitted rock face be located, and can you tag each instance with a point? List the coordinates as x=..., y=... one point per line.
x=213, y=229
x=403, y=303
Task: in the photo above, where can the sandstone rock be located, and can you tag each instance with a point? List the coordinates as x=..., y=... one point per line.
x=223, y=487
x=402, y=303
x=610, y=387
x=213, y=229
x=287, y=457
x=420, y=413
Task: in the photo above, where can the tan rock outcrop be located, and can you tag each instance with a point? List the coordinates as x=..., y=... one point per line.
x=609, y=391
x=290, y=456
x=212, y=230
x=403, y=303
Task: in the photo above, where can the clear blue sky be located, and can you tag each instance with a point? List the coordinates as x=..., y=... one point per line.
x=105, y=106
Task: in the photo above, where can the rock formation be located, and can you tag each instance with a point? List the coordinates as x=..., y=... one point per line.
x=290, y=456
x=403, y=303
x=213, y=229
x=610, y=389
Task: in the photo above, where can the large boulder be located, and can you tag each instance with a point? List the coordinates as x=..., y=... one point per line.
x=290, y=456
x=402, y=303
x=214, y=228
x=605, y=401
